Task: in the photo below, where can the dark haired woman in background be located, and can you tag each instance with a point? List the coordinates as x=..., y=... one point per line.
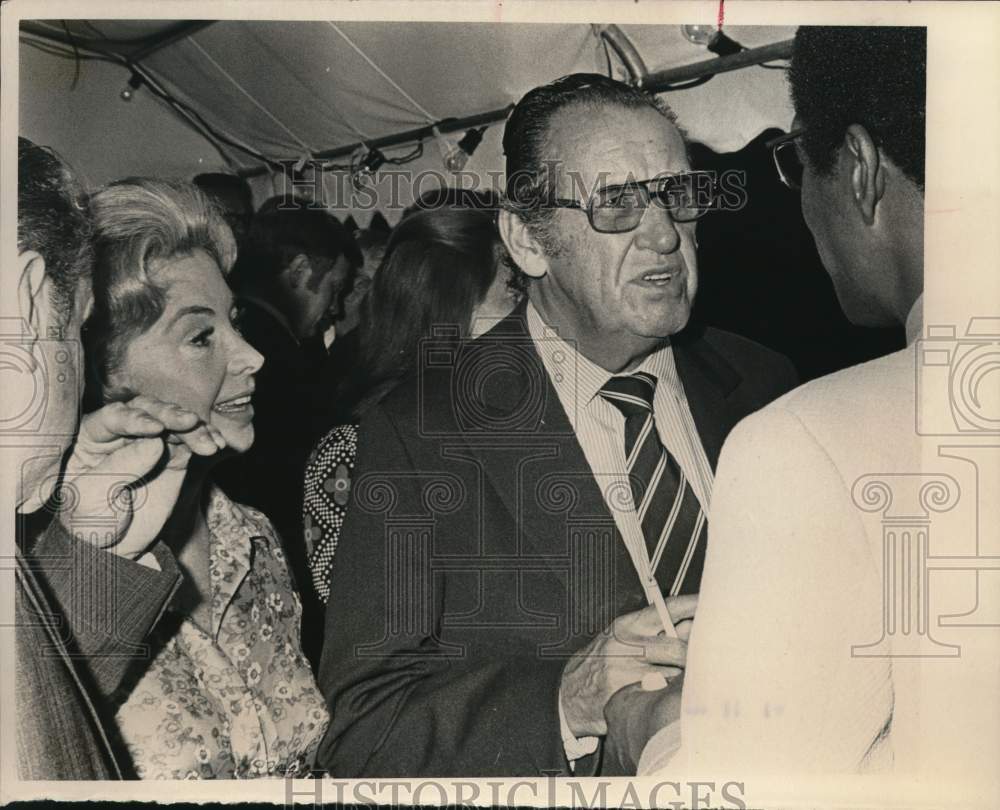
x=442, y=268
x=225, y=691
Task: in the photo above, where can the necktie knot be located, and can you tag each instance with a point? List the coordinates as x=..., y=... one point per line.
x=632, y=394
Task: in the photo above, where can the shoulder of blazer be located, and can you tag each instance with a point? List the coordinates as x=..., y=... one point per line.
x=442, y=374
x=726, y=358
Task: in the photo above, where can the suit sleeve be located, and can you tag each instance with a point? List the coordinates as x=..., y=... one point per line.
x=790, y=585
x=59, y=728
x=404, y=699
x=106, y=604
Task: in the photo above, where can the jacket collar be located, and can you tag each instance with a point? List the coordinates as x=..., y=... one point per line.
x=708, y=380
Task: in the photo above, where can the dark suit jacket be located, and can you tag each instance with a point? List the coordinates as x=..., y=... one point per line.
x=269, y=476
x=478, y=554
x=82, y=614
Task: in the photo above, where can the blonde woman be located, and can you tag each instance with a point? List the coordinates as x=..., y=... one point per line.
x=226, y=691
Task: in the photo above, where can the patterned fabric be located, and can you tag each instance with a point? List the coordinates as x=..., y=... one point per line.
x=237, y=699
x=327, y=492
x=672, y=520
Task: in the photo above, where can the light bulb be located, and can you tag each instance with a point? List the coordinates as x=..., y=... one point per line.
x=698, y=34
x=456, y=159
x=128, y=91
x=458, y=155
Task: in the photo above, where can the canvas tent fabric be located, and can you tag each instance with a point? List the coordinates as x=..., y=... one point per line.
x=288, y=89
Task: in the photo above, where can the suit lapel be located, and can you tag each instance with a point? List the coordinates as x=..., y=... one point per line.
x=708, y=380
x=538, y=469
x=535, y=464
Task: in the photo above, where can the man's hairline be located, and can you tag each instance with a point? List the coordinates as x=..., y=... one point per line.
x=668, y=115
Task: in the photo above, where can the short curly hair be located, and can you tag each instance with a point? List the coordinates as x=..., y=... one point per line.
x=872, y=76
x=53, y=220
x=138, y=222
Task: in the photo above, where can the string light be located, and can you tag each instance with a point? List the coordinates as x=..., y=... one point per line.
x=460, y=154
x=362, y=173
x=455, y=156
x=712, y=38
x=134, y=83
x=698, y=34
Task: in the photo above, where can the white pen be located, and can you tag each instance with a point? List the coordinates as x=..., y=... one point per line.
x=661, y=609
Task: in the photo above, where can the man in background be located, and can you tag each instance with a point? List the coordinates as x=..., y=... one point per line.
x=84, y=599
x=233, y=196
x=343, y=338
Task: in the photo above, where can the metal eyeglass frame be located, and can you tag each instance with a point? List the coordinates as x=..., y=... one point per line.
x=643, y=185
x=786, y=141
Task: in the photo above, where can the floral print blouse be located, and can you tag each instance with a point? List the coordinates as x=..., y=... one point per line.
x=327, y=492
x=237, y=699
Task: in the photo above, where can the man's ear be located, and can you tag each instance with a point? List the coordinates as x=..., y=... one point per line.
x=867, y=171
x=33, y=295
x=297, y=272
x=522, y=245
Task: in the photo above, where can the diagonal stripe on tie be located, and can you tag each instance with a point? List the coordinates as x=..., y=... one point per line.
x=671, y=517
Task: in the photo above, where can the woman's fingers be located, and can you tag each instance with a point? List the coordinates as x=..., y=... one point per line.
x=173, y=417
x=181, y=425
x=107, y=431
x=203, y=438
x=116, y=422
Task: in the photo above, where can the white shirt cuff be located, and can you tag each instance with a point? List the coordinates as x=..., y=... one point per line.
x=575, y=747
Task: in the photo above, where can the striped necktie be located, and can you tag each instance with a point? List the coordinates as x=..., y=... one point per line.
x=673, y=522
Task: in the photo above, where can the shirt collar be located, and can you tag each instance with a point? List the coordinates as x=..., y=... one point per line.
x=232, y=529
x=915, y=320
x=234, y=522
x=574, y=375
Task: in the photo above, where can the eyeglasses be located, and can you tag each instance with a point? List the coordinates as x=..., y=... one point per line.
x=620, y=208
x=786, y=158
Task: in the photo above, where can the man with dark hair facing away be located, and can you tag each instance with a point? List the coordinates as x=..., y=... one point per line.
x=91, y=576
x=817, y=648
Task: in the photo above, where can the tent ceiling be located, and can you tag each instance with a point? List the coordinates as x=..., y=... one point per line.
x=288, y=88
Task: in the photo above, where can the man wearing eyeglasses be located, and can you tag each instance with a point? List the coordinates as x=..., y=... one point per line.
x=820, y=645
x=576, y=443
